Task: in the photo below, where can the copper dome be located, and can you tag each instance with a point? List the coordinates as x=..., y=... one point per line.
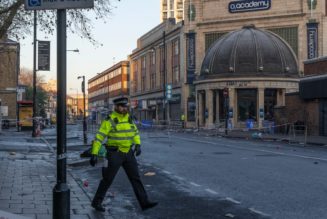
x=250, y=52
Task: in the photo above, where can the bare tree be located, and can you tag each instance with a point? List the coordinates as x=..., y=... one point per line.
x=26, y=77
x=17, y=23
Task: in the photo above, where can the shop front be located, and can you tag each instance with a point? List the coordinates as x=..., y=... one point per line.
x=244, y=78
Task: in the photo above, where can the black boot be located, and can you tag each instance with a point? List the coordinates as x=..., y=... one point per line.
x=149, y=205
x=98, y=206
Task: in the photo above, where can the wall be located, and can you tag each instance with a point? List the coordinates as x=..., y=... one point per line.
x=9, y=66
x=299, y=110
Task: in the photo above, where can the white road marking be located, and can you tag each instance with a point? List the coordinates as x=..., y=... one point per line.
x=179, y=178
x=211, y=191
x=259, y=212
x=258, y=150
x=166, y=172
x=194, y=184
x=233, y=200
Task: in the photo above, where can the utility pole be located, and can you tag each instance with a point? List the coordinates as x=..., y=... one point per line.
x=84, y=111
x=34, y=75
x=61, y=192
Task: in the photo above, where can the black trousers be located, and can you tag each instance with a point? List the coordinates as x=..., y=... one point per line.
x=117, y=159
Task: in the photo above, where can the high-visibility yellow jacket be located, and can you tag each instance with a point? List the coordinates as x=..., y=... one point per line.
x=120, y=131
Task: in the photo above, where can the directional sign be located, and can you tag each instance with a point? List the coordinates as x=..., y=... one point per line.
x=43, y=55
x=57, y=4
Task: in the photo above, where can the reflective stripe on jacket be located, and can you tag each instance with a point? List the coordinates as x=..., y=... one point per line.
x=120, y=131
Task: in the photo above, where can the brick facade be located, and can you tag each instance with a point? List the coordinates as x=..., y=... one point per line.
x=296, y=109
x=9, y=68
x=315, y=66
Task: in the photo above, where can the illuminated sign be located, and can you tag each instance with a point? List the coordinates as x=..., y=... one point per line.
x=249, y=5
x=312, y=35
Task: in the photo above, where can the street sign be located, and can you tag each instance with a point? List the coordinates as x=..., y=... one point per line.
x=43, y=56
x=56, y=4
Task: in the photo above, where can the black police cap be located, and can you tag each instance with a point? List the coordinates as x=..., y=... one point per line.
x=121, y=101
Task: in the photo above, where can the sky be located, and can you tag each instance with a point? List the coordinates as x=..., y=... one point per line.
x=130, y=19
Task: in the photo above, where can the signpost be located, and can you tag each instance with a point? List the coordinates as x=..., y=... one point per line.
x=43, y=56
x=61, y=192
x=54, y=4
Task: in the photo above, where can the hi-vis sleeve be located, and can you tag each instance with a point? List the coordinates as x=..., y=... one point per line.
x=137, y=138
x=100, y=136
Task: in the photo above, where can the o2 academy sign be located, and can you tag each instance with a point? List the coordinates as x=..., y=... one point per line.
x=249, y=5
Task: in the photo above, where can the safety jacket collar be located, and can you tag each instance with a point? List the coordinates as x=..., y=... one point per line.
x=119, y=115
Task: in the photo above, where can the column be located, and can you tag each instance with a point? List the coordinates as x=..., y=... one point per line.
x=209, y=107
x=261, y=104
x=233, y=106
x=200, y=111
x=217, y=107
x=281, y=97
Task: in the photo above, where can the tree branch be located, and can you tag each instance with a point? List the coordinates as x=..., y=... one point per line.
x=12, y=10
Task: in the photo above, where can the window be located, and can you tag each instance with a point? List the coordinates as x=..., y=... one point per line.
x=171, y=4
x=290, y=35
x=247, y=104
x=143, y=73
x=175, y=62
x=162, y=65
x=210, y=38
x=153, y=70
x=135, y=76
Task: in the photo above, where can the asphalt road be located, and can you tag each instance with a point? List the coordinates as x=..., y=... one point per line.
x=271, y=178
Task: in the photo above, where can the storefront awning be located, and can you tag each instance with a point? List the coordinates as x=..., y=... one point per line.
x=313, y=87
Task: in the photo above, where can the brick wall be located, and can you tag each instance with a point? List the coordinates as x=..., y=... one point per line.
x=315, y=66
x=8, y=78
x=296, y=109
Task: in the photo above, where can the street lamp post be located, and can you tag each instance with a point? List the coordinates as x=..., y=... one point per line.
x=84, y=111
x=72, y=50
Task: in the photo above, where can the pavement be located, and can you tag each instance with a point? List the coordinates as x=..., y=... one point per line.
x=26, y=189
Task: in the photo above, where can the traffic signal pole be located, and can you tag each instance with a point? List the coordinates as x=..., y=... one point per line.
x=84, y=112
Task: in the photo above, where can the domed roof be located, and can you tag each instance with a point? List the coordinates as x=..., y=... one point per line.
x=250, y=52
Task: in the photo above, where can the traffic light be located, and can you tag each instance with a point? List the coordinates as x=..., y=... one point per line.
x=83, y=86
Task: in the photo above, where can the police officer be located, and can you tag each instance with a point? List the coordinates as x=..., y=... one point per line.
x=122, y=133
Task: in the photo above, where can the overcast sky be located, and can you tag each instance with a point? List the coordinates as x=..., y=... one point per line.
x=129, y=20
